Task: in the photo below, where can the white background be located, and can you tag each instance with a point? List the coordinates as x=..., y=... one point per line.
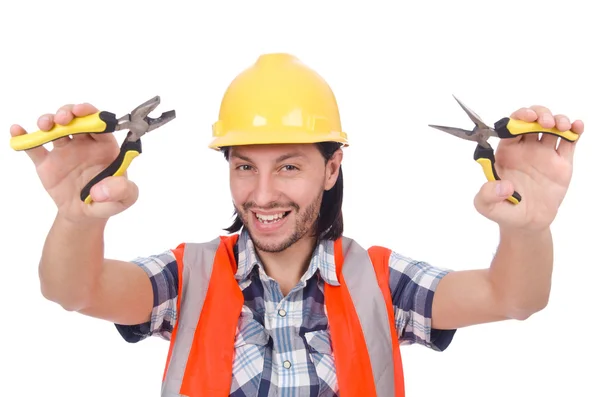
x=394, y=68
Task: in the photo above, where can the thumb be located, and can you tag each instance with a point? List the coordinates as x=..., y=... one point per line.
x=492, y=193
x=112, y=196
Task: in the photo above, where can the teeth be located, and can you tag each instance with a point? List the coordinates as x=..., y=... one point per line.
x=270, y=218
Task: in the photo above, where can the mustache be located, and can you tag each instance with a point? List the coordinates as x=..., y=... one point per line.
x=247, y=206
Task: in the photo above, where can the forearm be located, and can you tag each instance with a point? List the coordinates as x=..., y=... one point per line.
x=521, y=271
x=71, y=262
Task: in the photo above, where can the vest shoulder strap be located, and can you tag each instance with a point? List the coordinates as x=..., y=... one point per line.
x=209, y=303
x=362, y=325
x=380, y=258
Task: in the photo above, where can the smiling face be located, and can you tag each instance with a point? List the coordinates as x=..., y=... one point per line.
x=277, y=191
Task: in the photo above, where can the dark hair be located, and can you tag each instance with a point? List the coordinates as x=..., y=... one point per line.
x=330, y=223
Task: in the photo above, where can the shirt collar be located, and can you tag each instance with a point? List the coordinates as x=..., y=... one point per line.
x=322, y=261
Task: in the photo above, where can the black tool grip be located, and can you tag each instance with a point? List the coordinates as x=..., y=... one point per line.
x=110, y=119
x=501, y=128
x=485, y=157
x=129, y=150
x=511, y=128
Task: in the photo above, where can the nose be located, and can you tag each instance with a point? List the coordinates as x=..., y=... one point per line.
x=266, y=191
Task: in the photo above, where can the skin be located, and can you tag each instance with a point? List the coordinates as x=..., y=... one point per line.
x=268, y=179
x=74, y=272
x=517, y=283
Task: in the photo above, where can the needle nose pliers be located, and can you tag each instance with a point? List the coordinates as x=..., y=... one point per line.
x=504, y=128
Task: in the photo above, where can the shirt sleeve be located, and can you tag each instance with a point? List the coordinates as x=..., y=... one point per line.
x=163, y=274
x=413, y=285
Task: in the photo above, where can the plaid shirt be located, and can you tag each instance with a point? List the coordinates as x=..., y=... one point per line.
x=282, y=345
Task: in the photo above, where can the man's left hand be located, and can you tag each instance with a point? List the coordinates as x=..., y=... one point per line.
x=540, y=169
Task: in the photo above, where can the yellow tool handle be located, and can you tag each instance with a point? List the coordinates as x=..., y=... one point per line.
x=97, y=123
x=510, y=128
x=129, y=151
x=485, y=157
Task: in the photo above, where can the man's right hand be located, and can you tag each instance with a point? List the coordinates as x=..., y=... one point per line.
x=73, y=162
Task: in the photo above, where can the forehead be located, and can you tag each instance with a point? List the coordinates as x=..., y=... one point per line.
x=273, y=152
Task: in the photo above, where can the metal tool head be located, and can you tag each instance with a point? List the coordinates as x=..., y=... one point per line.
x=479, y=123
x=138, y=123
x=480, y=133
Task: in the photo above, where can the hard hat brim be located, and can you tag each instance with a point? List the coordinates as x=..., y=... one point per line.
x=242, y=138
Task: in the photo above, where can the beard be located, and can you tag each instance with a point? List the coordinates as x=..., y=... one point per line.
x=305, y=223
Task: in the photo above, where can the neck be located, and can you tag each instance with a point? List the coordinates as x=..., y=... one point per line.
x=288, y=266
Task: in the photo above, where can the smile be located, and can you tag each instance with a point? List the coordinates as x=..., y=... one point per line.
x=271, y=218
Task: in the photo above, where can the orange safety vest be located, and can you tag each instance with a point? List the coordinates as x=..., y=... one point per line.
x=209, y=303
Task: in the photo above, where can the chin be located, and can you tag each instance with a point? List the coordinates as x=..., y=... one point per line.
x=273, y=236
x=272, y=245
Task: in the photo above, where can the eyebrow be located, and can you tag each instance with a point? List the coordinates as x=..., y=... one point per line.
x=240, y=156
x=289, y=156
x=279, y=159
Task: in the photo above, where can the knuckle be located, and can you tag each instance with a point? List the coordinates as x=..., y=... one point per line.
x=45, y=121
x=117, y=183
x=122, y=188
x=540, y=110
x=539, y=107
x=84, y=108
x=65, y=108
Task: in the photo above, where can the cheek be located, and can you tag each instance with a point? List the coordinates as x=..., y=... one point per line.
x=302, y=193
x=240, y=190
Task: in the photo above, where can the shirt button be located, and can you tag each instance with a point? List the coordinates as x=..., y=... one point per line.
x=282, y=312
x=287, y=364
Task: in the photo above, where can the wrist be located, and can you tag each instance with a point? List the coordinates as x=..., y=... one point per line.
x=83, y=223
x=523, y=234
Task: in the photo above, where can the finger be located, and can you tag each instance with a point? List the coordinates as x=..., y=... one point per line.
x=577, y=127
x=45, y=122
x=61, y=142
x=115, y=189
x=63, y=116
x=83, y=109
x=562, y=123
x=544, y=116
x=37, y=154
x=492, y=193
x=549, y=140
x=565, y=148
x=525, y=114
x=113, y=195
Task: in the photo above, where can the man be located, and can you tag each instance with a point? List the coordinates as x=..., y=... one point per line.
x=285, y=305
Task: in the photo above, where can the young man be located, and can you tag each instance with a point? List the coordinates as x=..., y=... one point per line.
x=288, y=306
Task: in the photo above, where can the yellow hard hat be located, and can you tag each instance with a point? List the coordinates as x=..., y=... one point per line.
x=277, y=100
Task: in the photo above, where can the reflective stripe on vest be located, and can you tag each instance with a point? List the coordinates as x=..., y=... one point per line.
x=361, y=322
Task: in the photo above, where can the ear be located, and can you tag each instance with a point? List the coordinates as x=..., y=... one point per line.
x=332, y=169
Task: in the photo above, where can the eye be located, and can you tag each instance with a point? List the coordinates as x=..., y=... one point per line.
x=289, y=168
x=243, y=167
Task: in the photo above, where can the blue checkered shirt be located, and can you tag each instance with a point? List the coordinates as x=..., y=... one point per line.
x=282, y=345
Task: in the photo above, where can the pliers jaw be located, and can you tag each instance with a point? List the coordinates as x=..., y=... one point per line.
x=138, y=123
x=484, y=153
x=475, y=135
x=479, y=123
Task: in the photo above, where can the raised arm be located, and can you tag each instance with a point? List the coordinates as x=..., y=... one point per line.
x=73, y=271
x=517, y=283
